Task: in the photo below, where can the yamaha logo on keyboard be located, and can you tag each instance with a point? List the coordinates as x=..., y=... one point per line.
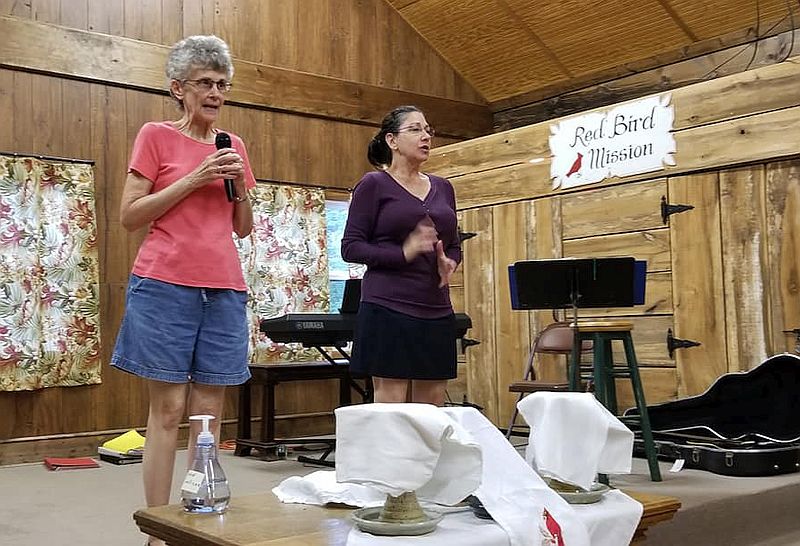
x=310, y=325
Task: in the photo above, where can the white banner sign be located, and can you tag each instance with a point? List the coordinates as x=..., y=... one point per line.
x=630, y=139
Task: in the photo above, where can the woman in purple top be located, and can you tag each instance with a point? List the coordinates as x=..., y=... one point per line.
x=402, y=225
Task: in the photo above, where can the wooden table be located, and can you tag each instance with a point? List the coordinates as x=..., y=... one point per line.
x=262, y=520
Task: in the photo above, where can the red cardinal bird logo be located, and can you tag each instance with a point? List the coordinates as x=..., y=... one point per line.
x=576, y=166
x=552, y=525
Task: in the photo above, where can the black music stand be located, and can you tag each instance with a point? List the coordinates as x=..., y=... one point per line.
x=577, y=283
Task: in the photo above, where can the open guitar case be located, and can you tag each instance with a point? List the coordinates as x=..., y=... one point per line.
x=745, y=424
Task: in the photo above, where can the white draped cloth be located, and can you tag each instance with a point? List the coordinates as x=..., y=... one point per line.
x=508, y=487
x=574, y=437
x=396, y=448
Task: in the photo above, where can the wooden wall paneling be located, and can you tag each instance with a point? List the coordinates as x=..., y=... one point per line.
x=108, y=16
x=314, y=56
x=7, y=137
x=48, y=135
x=726, y=144
x=23, y=128
x=99, y=146
x=697, y=282
x=744, y=260
x=287, y=145
x=264, y=160
x=322, y=149
x=293, y=397
x=15, y=8
x=198, y=17
x=457, y=388
x=545, y=234
x=8, y=405
x=619, y=209
x=247, y=124
x=694, y=153
x=136, y=63
x=24, y=416
x=352, y=162
x=659, y=386
x=649, y=340
x=344, y=57
x=372, y=19
x=230, y=407
x=238, y=22
x=76, y=114
x=77, y=143
x=651, y=245
x=46, y=11
x=512, y=329
x=172, y=21
x=503, y=185
x=479, y=275
x=74, y=13
x=110, y=150
x=143, y=20
x=276, y=47
x=492, y=151
x=783, y=253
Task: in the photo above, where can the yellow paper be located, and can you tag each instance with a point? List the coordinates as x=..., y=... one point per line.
x=130, y=442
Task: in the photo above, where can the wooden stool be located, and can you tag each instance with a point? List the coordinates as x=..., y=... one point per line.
x=270, y=375
x=602, y=333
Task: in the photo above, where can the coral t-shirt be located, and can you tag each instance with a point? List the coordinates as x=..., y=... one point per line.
x=191, y=244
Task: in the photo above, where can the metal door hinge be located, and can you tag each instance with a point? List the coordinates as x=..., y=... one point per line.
x=464, y=235
x=667, y=209
x=677, y=343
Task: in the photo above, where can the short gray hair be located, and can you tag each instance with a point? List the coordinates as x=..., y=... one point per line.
x=204, y=52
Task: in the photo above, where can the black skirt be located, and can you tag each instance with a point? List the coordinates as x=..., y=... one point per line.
x=398, y=346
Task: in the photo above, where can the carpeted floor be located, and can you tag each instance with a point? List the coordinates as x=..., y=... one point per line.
x=94, y=507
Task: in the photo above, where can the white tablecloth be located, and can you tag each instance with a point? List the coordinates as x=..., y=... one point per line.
x=464, y=529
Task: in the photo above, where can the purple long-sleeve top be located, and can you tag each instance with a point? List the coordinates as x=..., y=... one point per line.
x=382, y=214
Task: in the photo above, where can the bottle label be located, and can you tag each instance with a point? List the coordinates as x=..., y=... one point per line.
x=193, y=481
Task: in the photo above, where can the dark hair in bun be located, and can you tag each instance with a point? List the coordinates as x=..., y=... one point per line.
x=378, y=152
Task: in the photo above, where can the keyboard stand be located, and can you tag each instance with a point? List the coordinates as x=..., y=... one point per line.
x=365, y=393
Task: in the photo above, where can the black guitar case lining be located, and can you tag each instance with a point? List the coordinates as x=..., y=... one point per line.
x=745, y=424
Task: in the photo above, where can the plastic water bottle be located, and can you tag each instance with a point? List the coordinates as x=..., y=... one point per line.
x=205, y=489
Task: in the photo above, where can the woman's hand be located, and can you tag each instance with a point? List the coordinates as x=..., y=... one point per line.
x=226, y=164
x=420, y=241
x=447, y=266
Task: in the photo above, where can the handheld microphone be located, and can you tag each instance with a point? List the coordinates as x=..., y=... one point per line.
x=223, y=140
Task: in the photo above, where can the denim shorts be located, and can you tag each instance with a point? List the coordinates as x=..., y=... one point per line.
x=181, y=334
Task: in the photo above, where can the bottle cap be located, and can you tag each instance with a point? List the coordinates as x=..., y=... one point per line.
x=205, y=436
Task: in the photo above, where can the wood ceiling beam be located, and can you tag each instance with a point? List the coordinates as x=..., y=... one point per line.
x=697, y=49
x=657, y=80
x=678, y=21
x=523, y=26
x=124, y=62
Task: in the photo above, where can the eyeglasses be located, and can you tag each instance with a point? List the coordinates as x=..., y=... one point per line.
x=206, y=84
x=417, y=129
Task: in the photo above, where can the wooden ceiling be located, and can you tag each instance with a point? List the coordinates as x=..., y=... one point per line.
x=518, y=51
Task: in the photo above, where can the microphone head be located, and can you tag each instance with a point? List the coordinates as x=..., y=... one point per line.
x=222, y=140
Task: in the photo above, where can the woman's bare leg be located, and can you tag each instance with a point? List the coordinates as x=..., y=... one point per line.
x=427, y=391
x=167, y=404
x=390, y=390
x=205, y=400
